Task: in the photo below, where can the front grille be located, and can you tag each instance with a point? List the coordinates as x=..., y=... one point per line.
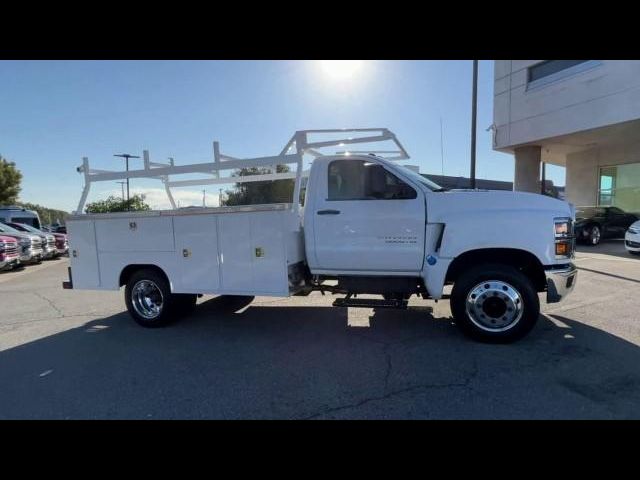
x=11, y=249
x=51, y=242
x=632, y=244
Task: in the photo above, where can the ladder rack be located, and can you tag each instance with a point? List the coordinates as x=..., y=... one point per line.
x=299, y=142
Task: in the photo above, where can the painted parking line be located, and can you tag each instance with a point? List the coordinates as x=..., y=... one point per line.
x=599, y=272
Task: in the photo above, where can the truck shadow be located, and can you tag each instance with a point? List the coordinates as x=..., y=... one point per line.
x=307, y=362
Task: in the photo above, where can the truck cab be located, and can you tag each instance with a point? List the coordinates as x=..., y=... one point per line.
x=379, y=228
x=17, y=214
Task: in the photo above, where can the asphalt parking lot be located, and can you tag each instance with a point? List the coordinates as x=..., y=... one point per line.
x=77, y=355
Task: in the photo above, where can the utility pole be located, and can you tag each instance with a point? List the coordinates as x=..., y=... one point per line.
x=122, y=188
x=220, y=198
x=543, y=180
x=474, y=105
x=126, y=156
x=441, y=152
x=204, y=203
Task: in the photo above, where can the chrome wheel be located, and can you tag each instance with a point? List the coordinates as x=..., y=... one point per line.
x=147, y=299
x=494, y=306
x=594, y=236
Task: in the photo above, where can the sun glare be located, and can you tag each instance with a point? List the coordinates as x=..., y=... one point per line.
x=340, y=69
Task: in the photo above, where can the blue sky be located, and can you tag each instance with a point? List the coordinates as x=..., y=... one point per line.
x=56, y=112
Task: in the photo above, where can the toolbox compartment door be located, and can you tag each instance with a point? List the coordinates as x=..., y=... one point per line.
x=83, y=255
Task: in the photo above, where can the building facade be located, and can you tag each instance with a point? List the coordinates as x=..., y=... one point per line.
x=580, y=114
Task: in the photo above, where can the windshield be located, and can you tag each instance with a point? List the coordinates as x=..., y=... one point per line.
x=420, y=179
x=586, y=212
x=32, y=221
x=29, y=228
x=7, y=229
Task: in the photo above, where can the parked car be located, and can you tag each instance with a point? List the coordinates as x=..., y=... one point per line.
x=9, y=253
x=30, y=244
x=596, y=223
x=51, y=245
x=18, y=214
x=632, y=238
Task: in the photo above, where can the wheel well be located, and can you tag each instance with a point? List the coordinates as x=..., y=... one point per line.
x=592, y=224
x=129, y=270
x=524, y=261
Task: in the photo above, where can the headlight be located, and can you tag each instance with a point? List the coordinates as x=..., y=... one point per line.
x=25, y=242
x=562, y=227
x=634, y=230
x=564, y=238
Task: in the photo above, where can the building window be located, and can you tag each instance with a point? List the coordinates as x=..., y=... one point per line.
x=620, y=187
x=549, y=71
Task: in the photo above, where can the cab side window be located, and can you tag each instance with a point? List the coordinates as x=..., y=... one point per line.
x=360, y=180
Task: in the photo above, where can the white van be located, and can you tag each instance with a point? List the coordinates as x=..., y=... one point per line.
x=17, y=214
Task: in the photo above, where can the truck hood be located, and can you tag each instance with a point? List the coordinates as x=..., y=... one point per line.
x=443, y=205
x=6, y=239
x=22, y=236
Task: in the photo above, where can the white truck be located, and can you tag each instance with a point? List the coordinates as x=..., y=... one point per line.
x=367, y=226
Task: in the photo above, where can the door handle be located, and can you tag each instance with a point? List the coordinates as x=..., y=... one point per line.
x=328, y=212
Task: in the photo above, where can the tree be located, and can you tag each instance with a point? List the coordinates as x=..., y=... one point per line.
x=10, y=178
x=253, y=193
x=115, y=204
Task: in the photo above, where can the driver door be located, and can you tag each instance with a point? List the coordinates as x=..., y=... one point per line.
x=367, y=219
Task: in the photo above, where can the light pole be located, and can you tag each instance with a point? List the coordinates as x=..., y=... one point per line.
x=474, y=105
x=126, y=156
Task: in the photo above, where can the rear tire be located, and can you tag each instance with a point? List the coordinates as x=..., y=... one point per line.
x=149, y=299
x=594, y=235
x=494, y=303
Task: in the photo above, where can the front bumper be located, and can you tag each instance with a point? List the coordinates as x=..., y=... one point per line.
x=632, y=242
x=9, y=263
x=30, y=255
x=560, y=282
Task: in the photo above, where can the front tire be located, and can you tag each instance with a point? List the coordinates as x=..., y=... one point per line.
x=149, y=299
x=494, y=303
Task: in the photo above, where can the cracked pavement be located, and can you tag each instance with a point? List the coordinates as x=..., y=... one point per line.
x=77, y=355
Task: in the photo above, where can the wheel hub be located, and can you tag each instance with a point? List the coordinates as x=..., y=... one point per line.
x=147, y=299
x=494, y=305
